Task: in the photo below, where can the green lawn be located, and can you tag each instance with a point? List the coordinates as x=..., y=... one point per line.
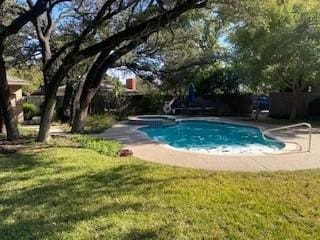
x=79, y=194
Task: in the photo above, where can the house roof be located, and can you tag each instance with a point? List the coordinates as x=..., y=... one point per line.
x=104, y=88
x=15, y=81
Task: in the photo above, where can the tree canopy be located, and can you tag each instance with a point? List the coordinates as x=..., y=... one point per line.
x=278, y=48
x=281, y=44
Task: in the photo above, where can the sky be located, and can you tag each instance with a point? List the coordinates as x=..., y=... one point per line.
x=122, y=75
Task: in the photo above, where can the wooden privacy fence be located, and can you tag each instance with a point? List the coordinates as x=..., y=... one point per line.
x=280, y=105
x=238, y=105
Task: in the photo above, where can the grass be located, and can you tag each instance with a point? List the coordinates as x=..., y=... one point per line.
x=27, y=132
x=68, y=193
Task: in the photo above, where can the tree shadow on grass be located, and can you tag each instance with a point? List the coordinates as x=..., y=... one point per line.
x=19, y=162
x=22, y=165
x=49, y=208
x=137, y=234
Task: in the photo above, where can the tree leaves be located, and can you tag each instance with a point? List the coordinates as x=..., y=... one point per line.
x=282, y=47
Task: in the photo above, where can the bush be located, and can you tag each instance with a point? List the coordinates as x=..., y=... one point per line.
x=99, y=123
x=151, y=103
x=107, y=147
x=29, y=110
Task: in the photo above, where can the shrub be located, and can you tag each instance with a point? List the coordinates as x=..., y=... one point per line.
x=151, y=103
x=29, y=110
x=99, y=123
x=107, y=147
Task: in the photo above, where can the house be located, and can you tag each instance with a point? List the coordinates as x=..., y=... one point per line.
x=99, y=104
x=104, y=100
x=37, y=97
x=15, y=85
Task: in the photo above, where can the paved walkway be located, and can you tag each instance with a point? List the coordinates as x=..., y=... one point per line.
x=54, y=129
x=295, y=157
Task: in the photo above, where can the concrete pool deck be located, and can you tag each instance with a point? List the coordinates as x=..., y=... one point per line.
x=295, y=157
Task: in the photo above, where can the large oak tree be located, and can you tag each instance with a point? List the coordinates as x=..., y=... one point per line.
x=149, y=17
x=13, y=17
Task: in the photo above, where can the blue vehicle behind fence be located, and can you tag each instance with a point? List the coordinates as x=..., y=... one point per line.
x=261, y=102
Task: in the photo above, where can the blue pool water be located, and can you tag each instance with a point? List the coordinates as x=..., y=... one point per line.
x=213, y=136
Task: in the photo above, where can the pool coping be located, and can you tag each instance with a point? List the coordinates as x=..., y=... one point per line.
x=151, y=120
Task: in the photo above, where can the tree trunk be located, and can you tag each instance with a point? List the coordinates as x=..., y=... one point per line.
x=46, y=118
x=7, y=110
x=88, y=91
x=65, y=113
x=51, y=99
x=49, y=106
x=75, y=102
x=82, y=112
x=46, y=56
x=93, y=82
x=1, y=122
x=79, y=120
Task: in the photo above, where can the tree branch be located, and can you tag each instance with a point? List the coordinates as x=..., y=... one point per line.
x=100, y=18
x=101, y=65
x=35, y=11
x=146, y=28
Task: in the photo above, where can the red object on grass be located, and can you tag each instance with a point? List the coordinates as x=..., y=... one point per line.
x=125, y=153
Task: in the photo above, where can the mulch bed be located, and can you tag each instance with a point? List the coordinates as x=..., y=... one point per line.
x=7, y=147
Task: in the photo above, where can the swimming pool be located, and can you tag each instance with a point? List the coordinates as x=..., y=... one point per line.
x=207, y=136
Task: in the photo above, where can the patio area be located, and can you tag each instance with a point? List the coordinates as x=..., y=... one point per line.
x=294, y=157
